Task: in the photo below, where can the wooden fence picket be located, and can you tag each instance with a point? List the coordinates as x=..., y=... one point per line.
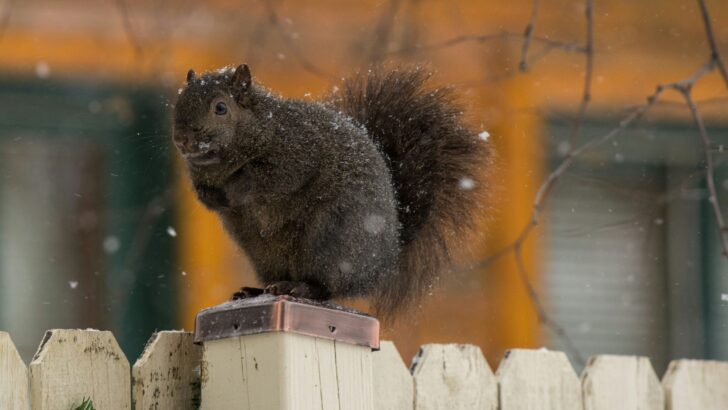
x=696, y=384
x=72, y=365
x=14, y=384
x=453, y=376
x=167, y=375
x=538, y=379
x=630, y=380
x=279, y=370
x=393, y=383
x=285, y=370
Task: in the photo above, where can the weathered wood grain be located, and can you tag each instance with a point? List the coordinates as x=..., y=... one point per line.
x=393, y=383
x=281, y=370
x=453, y=376
x=354, y=376
x=629, y=381
x=167, y=375
x=222, y=375
x=538, y=379
x=696, y=384
x=14, y=391
x=71, y=365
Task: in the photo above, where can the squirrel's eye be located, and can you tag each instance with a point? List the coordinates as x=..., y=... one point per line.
x=220, y=108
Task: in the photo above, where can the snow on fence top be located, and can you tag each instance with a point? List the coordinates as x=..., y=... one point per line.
x=290, y=371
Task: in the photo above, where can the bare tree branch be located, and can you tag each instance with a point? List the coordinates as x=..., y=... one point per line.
x=714, y=53
x=257, y=40
x=483, y=38
x=5, y=17
x=383, y=31
x=588, y=72
x=543, y=317
x=709, y=169
x=527, y=33
x=684, y=86
x=290, y=42
x=128, y=29
x=543, y=195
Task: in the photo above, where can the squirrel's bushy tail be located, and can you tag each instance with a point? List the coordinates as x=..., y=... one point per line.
x=435, y=162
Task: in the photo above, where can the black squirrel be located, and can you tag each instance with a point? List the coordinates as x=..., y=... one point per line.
x=361, y=194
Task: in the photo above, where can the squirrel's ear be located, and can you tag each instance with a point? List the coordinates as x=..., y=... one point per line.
x=241, y=78
x=190, y=76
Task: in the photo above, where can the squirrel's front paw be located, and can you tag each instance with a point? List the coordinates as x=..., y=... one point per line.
x=212, y=197
x=298, y=290
x=246, y=292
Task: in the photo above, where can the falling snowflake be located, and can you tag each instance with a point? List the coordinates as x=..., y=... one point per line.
x=42, y=69
x=171, y=231
x=94, y=107
x=466, y=184
x=484, y=135
x=111, y=244
x=563, y=148
x=72, y=284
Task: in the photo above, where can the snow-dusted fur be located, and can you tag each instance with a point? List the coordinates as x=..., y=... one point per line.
x=358, y=195
x=436, y=163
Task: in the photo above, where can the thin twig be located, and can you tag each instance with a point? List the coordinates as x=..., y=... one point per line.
x=290, y=43
x=383, y=32
x=714, y=53
x=639, y=112
x=5, y=17
x=542, y=195
x=698, y=103
x=128, y=29
x=547, y=186
x=527, y=34
x=543, y=317
x=709, y=169
x=257, y=40
x=588, y=72
x=482, y=38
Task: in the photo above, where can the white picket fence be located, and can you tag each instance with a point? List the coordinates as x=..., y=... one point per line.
x=281, y=370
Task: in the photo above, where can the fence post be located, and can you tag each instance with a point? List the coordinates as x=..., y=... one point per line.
x=696, y=384
x=628, y=380
x=14, y=393
x=284, y=353
x=453, y=376
x=72, y=365
x=167, y=375
x=538, y=379
x=393, y=383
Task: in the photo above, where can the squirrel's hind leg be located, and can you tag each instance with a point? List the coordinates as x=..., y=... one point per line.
x=303, y=290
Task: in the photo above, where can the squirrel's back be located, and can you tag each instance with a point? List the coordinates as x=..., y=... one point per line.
x=435, y=161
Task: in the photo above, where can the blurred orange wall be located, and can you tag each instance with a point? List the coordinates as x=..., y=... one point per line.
x=638, y=45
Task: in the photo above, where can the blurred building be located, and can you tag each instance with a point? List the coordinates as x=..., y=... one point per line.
x=98, y=227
